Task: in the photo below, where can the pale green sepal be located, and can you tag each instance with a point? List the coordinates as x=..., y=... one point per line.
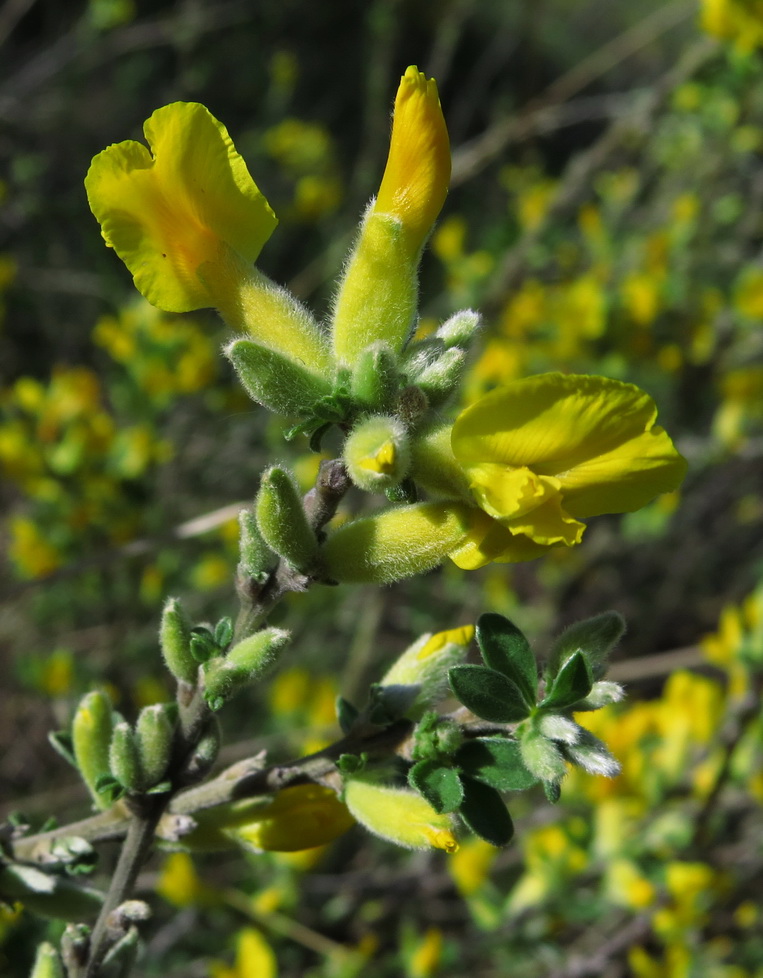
x=395, y=544
x=91, y=736
x=155, y=731
x=461, y=329
x=224, y=677
x=375, y=379
x=47, y=963
x=175, y=641
x=124, y=758
x=275, y=381
x=378, y=293
x=282, y=521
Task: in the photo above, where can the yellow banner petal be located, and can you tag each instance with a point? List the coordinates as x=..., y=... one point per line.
x=187, y=203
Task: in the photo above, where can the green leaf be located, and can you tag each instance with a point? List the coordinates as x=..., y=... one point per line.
x=495, y=761
x=594, y=637
x=346, y=714
x=573, y=682
x=553, y=791
x=61, y=742
x=202, y=644
x=440, y=785
x=485, y=813
x=488, y=694
x=223, y=633
x=505, y=649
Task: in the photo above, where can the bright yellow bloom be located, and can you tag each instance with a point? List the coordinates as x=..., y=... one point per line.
x=400, y=816
x=298, y=818
x=181, y=215
x=415, y=181
x=540, y=454
x=377, y=297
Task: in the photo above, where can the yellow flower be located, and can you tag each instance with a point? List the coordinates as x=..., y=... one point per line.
x=376, y=300
x=540, y=454
x=415, y=181
x=399, y=816
x=180, y=215
x=301, y=817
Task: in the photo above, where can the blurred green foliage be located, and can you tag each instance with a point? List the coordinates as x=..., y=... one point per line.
x=605, y=215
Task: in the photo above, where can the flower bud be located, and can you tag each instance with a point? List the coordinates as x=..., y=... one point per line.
x=282, y=520
x=224, y=677
x=377, y=297
x=175, y=640
x=439, y=380
x=377, y=453
x=155, y=732
x=374, y=381
x=91, y=735
x=399, y=816
x=419, y=678
x=280, y=384
x=460, y=329
x=124, y=758
x=256, y=557
x=395, y=544
x=47, y=963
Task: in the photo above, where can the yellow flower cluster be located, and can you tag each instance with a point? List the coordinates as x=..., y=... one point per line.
x=64, y=450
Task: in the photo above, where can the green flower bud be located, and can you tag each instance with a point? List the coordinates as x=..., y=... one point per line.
x=91, y=735
x=377, y=453
x=124, y=758
x=375, y=380
x=460, y=329
x=439, y=380
x=256, y=556
x=155, y=731
x=377, y=296
x=541, y=756
x=395, y=544
x=47, y=963
x=224, y=677
x=175, y=641
x=282, y=520
x=275, y=381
